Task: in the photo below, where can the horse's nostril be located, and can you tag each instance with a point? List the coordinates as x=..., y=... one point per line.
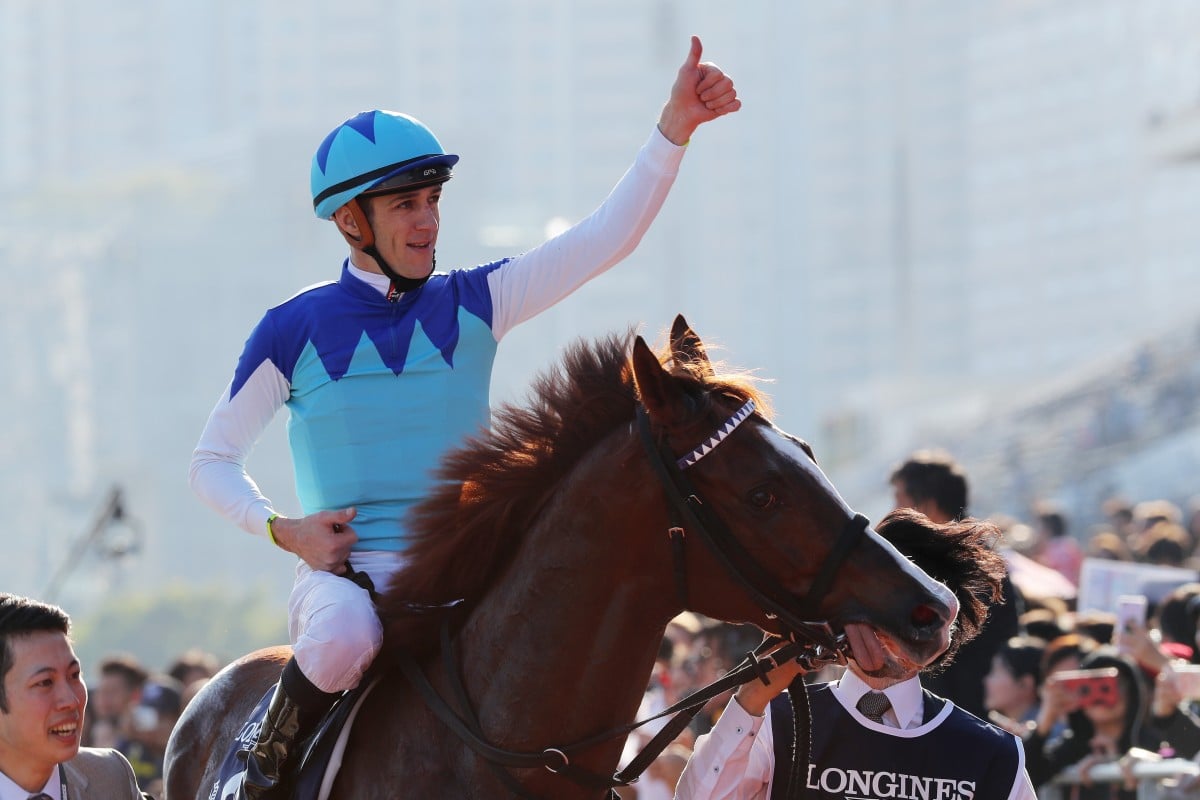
x=923, y=616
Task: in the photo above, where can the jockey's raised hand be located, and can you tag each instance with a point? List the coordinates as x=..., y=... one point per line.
x=322, y=540
x=702, y=92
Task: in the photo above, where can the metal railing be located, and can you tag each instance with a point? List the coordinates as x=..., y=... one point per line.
x=1155, y=779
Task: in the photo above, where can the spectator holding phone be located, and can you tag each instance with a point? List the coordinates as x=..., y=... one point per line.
x=1175, y=703
x=1066, y=652
x=1100, y=726
x=1173, y=708
x=1136, y=637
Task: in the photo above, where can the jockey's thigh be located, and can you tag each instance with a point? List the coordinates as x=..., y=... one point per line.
x=334, y=629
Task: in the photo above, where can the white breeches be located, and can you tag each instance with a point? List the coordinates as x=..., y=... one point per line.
x=333, y=626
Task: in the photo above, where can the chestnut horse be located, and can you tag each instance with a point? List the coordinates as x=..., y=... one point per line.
x=557, y=531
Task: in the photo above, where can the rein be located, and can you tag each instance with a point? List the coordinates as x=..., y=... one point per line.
x=812, y=644
x=756, y=664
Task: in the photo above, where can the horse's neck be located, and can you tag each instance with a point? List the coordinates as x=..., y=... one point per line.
x=563, y=645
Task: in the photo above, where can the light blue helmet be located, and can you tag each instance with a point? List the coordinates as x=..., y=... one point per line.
x=376, y=151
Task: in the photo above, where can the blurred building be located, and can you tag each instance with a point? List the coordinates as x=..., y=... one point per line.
x=925, y=212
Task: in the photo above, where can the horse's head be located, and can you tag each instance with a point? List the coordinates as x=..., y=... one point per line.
x=786, y=547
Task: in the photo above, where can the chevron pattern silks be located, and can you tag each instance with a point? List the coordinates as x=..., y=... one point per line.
x=710, y=444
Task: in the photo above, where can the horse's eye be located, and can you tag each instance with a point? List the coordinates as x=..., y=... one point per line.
x=762, y=497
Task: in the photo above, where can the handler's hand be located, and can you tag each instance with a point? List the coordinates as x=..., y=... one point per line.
x=702, y=92
x=754, y=697
x=322, y=540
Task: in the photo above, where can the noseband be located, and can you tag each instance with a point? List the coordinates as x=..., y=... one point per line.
x=689, y=514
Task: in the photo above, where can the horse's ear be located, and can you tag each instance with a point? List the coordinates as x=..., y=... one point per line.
x=657, y=390
x=687, y=349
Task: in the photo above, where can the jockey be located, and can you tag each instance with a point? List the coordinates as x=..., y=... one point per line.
x=386, y=368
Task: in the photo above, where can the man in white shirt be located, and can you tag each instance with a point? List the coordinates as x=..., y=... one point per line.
x=875, y=732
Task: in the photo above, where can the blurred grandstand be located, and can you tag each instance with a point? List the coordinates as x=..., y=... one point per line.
x=1128, y=426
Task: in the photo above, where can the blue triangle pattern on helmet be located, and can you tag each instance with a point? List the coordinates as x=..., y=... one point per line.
x=364, y=123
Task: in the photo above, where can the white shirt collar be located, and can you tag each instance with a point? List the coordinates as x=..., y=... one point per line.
x=377, y=279
x=906, y=697
x=9, y=790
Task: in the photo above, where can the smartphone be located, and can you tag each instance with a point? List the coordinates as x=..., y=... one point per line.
x=1187, y=680
x=1131, y=612
x=1092, y=687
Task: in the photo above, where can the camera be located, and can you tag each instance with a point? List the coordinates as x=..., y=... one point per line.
x=1091, y=687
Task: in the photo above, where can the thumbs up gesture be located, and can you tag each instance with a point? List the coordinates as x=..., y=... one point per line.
x=702, y=92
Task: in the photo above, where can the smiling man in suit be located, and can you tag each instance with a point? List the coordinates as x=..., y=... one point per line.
x=42, y=703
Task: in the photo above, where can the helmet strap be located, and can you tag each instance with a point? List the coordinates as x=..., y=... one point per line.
x=366, y=243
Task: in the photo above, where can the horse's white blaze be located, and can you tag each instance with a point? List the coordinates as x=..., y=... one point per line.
x=789, y=449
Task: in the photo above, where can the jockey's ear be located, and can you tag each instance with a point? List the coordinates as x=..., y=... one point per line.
x=661, y=394
x=687, y=350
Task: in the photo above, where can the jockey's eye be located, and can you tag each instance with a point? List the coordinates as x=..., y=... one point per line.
x=763, y=497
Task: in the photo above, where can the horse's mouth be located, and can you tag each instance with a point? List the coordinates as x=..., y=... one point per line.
x=875, y=651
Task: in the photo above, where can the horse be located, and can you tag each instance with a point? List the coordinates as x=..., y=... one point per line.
x=548, y=561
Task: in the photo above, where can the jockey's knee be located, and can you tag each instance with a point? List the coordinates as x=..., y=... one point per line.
x=338, y=637
x=336, y=661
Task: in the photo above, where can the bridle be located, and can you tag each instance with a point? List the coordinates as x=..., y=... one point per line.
x=689, y=512
x=810, y=642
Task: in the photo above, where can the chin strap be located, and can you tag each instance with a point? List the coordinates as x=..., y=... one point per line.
x=366, y=243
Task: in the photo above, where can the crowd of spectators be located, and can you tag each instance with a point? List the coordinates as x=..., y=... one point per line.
x=133, y=709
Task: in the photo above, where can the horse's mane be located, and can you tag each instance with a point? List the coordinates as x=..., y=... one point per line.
x=488, y=490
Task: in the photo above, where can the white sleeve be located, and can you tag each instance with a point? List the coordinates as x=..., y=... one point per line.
x=733, y=761
x=536, y=280
x=218, y=469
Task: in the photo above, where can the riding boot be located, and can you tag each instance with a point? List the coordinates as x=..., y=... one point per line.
x=293, y=714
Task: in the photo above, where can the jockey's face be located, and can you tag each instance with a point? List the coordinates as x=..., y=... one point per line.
x=406, y=228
